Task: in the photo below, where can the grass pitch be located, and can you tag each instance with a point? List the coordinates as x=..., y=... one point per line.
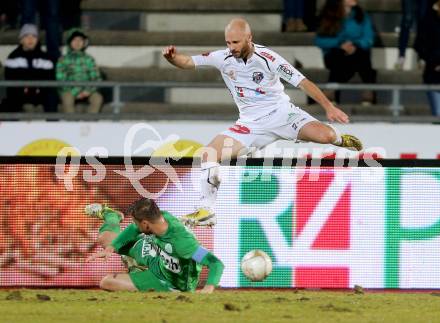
x=30, y=305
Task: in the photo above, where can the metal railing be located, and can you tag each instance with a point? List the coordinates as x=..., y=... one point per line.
x=395, y=107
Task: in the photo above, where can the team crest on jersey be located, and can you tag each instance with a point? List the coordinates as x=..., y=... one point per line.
x=169, y=248
x=257, y=77
x=285, y=71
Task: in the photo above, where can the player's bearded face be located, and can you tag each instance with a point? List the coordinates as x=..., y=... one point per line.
x=143, y=226
x=245, y=50
x=239, y=46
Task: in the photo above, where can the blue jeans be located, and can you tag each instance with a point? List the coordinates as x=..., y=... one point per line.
x=293, y=9
x=50, y=18
x=413, y=11
x=434, y=101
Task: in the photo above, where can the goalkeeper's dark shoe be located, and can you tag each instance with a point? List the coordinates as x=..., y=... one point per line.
x=97, y=210
x=350, y=142
x=201, y=217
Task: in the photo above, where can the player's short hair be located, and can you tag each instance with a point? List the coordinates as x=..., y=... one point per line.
x=144, y=209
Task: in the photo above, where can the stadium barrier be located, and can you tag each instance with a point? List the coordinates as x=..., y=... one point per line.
x=325, y=224
x=395, y=89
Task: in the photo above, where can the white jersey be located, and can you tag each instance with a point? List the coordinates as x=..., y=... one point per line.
x=255, y=84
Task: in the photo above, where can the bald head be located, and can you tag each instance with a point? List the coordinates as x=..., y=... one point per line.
x=238, y=37
x=238, y=25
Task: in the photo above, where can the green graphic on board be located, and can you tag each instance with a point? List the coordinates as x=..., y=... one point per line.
x=263, y=190
x=395, y=234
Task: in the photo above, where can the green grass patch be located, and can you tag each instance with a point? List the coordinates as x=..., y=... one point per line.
x=77, y=306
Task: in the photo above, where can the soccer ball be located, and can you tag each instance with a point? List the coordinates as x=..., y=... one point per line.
x=256, y=265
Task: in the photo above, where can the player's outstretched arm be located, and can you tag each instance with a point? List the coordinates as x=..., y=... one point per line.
x=180, y=60
x=333, y=113
x=215, y=267
x=106, y=253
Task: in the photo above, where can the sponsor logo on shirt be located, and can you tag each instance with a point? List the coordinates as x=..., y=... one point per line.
x=285, y=71
x=246, y=92
x=260, y=90
x=231, y=74
x=239, y=91
x=268, y=56
x=257, y=77
x=149, y=248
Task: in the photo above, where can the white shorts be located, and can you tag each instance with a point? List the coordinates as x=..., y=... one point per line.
x=283, y=122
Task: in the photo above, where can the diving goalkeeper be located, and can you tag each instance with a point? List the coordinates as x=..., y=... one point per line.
x=162, y=255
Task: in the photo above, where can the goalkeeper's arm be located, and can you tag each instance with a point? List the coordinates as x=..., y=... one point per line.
x=214, y=265
x=128, y=235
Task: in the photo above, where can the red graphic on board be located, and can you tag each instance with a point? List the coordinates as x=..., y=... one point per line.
x=333, y=235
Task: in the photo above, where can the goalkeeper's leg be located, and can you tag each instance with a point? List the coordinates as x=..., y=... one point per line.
x=110, y=229
x=111, y=225
x=135, y=281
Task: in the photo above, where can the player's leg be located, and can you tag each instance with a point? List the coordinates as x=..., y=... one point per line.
x=117, y=282
x=222, y=147
x=316, y=131
x=111, y=225
x=135, y=281
x=302, y=126
x=109, y=229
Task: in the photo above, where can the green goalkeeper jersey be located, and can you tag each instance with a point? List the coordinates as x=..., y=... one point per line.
x=168, y=256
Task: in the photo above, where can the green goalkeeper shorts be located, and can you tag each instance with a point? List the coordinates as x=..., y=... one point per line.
x=145, y=281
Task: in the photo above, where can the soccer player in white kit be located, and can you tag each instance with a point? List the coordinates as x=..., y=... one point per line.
x=252, y=74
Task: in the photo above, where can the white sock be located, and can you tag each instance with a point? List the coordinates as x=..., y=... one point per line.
x=338, y=140
x=209, y=184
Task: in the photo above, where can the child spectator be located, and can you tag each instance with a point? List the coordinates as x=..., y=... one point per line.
x=77, y=65
x=28, y=62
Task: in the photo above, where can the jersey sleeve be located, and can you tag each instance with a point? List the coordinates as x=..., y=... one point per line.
x=214, y=265
x=284, y=69
x=127, y=236
x=210, y=59
x=186, y=245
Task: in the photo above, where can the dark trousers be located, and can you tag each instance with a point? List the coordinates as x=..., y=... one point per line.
x=293, y=9
x=431, y=75
x=11, y=10
x=413, y=11
x=343, y=67
x=50, y=18
x=70, y=12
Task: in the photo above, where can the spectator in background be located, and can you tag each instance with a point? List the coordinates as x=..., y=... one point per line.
x=428, y=48
x=310, y=14
x=28, y=62
x=294, y=15
x=77, y=65
x=345, y=35
x=8, y=14
x=70, y=14
x=50, y=18
x=412, y=11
